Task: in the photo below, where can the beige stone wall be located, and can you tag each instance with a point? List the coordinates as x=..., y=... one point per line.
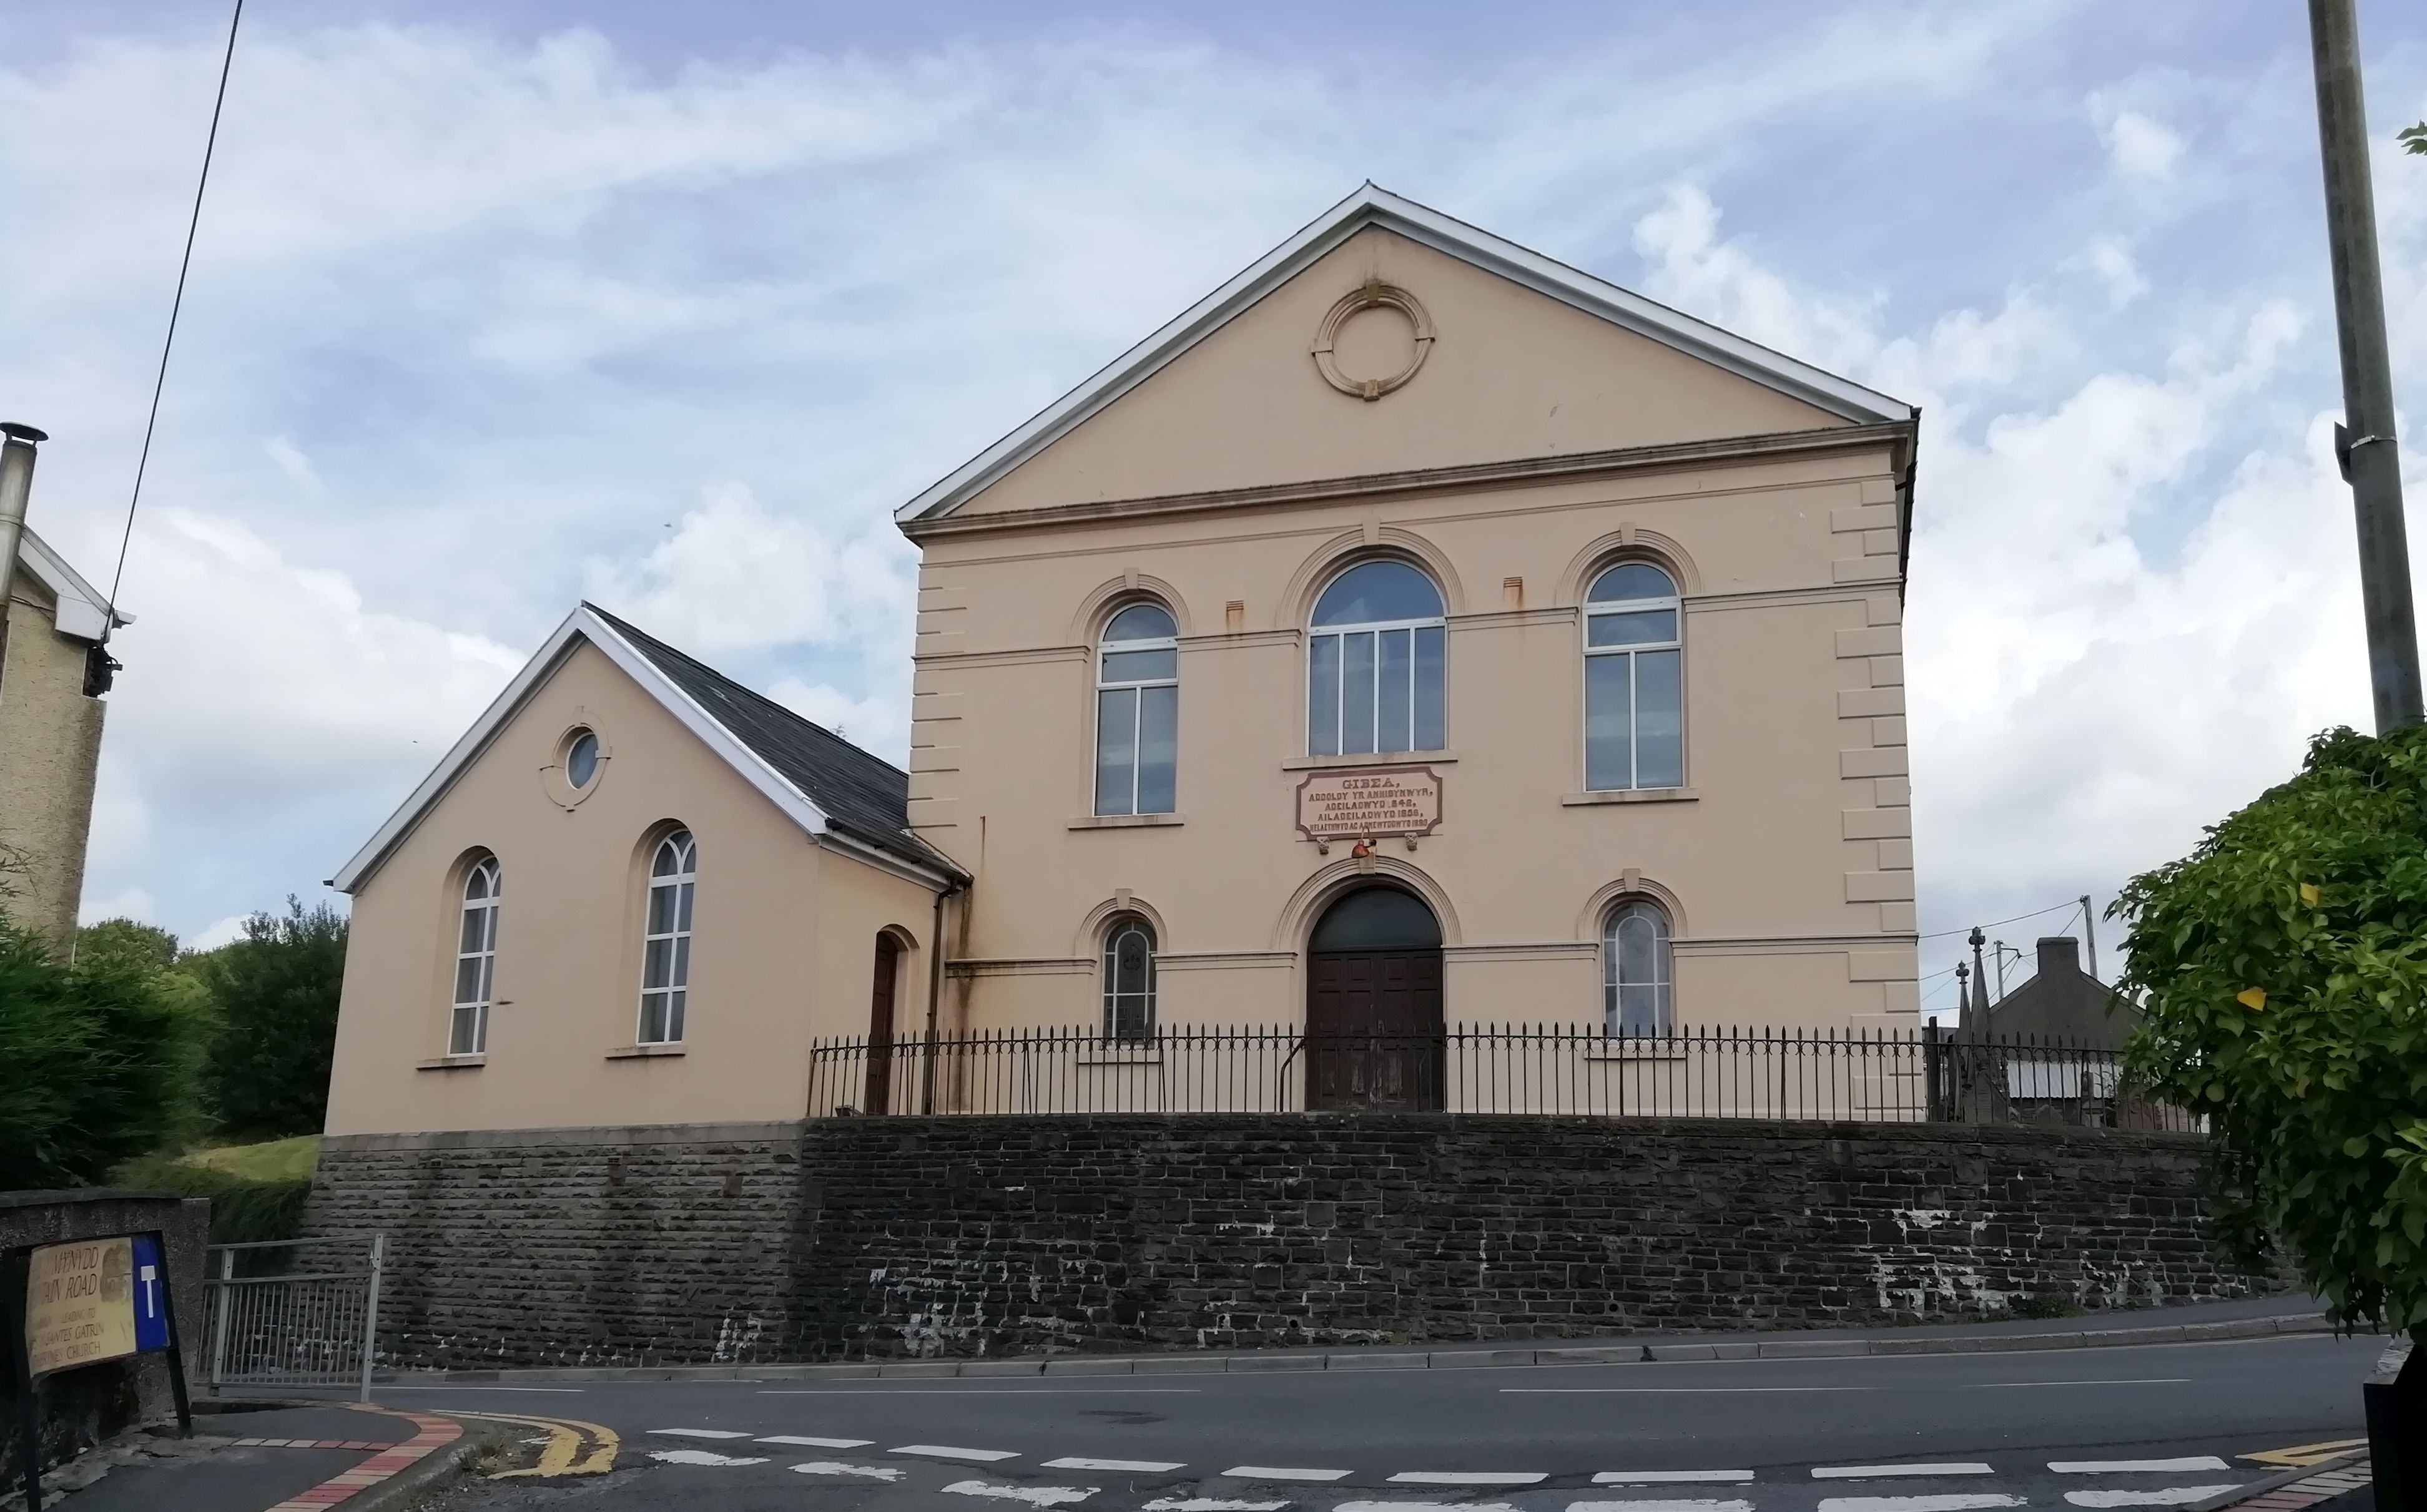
x=50, y=748
x=783, y=945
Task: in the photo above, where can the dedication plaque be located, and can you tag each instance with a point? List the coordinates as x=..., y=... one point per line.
x=1369, y=803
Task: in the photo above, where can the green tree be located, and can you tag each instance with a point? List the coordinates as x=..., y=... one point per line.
x=124, y=941
x=97, y=1062
x=2282, y=968
x=2414, y=138
x=276, y=989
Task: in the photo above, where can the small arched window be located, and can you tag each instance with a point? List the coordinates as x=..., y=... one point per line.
x=1129, y=980
x=476, y=960
x=665, y=943
x=1377, y=663
x=1634, y=683
x=1137, y=712
x=1636, y=997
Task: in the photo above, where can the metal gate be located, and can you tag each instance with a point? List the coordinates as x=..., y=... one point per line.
x=294, y=1312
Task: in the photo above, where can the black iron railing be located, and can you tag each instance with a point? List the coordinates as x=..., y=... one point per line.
x=1888, y=1076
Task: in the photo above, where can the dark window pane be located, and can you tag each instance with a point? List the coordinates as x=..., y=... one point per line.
x=1610, y=761
x=464, y=1035
x=682, y=915
x=1379, y=591
x=675, y=1004
x=582, y=762
x=657, y=959
x=1660, y=723
x=475, y=928
x=1116, y=751
x=1655, y=626
x=652, y=1017
x=1377, y=918
x=1158, y=750
x=661, y=909
x=1357, y=692
x=1396, y=692
x=1323, y=695
x=667, y=861
x=1140, y=666
x=1141, y=622
x=1631, y=580
x=467, y=980
x=1432, y=691
x=682, y=962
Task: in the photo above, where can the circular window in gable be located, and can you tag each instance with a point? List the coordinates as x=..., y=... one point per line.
x=581, y=760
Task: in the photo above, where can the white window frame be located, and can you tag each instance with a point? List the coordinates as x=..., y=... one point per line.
x=1674, y=603
x=1105, y=683
x=675, y=992
x=476, y=947
x=1664, y=969
x=1109, y=993
x=1374, y=627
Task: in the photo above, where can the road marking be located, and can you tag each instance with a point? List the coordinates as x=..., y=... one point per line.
x=1678, y=1391
x=1919, y=1504
x=2171, y=1496
x=832, y=1467
x=2111, y=1467
x=1211, y=1504
x=1665, y=1477
x=2130, y=1380
x=948, y=1452
x=1032, y=1495
x=804, y=1441
x=1690, y=1504
x=2304, y=1455
x=1146, y=1466
x=1424, y=1507
x=702, y=1456
x=914, y=1388
x=1468, y=1477
x=563, y=1450
x=1865, y=1472
x=1268, y=1473
x=566, y=1390
x=699, y=1433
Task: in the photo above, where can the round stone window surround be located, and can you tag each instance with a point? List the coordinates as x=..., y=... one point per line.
x=1372, y=295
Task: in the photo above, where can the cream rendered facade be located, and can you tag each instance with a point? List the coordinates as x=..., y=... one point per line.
x=1550, y=428
x=50, y=738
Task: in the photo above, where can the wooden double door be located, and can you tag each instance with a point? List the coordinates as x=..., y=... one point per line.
x=1374, y=1029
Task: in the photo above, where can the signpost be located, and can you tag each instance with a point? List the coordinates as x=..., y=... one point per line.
x=84, y=1303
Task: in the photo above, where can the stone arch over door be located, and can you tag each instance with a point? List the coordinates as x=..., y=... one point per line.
x=1374, y=1029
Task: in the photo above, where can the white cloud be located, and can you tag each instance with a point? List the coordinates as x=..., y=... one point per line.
x=218, y=932
x=2112, y=261
x=131, y=902
x=880, y=724
x=2140, y=146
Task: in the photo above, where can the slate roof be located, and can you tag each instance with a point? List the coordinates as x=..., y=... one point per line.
x=864, y=796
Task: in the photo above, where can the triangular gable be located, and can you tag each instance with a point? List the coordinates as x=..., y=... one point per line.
x=1371, y=207
x=586, y=626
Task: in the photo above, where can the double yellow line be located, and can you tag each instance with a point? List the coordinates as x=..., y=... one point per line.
x=574, y=1447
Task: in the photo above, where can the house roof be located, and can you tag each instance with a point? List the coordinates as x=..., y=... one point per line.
x=79, y=609
x=837, y=792
x=1371, y=205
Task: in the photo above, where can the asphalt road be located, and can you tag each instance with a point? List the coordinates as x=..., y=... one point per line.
x=2043, y=1429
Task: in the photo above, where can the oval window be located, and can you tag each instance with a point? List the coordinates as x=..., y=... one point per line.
x=581, y=760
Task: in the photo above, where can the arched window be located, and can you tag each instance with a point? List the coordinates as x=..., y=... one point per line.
x=1633, y=685
x=476, y=960
x=665, y=943
x=1137, y=712
x=1635, y=969
x=1376, y=658
x=1129, y=980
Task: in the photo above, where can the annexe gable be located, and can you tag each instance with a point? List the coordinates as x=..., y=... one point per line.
x=1527, y=360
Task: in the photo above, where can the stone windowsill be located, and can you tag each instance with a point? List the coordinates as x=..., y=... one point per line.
x=1632, y=795
x=1621, y=1048
x=642, y=1052
x=452, y=1062
x=1117, y=1053
x=1127, y=821
x=1367, y=759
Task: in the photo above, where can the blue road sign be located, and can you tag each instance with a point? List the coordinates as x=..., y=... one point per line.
x=150, y=1283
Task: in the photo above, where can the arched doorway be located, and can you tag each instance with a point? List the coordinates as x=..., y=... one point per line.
x=1373, y=1004
x=879, y=1098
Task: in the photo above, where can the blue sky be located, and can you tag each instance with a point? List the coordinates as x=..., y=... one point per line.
x=500, y=304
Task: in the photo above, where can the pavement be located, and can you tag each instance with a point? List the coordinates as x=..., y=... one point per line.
x=286, y=1458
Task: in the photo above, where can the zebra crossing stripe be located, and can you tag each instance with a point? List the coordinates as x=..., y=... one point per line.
x=1865, y=1472
x=702, y=1456
x=2167, y=1496
x=1689, y=1505
x=1667, y=1477
x=804, y=1441
x=948, y=1451
x=1032, y=1495
x=700, y=1432
x=1271, y=1472
x=1210, y=1504
x=1147, y=1466
x=836, y=1467
x=2111, y=1467
x=1977, y=1503
x=1478, y=1477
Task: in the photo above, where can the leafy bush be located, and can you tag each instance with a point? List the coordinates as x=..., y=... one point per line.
x=276, y=989
x=244, y=1210
x=2283, y=966
x=97, y=1062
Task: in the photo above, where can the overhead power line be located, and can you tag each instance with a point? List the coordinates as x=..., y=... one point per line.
x=2069, y=902
x=160, y=380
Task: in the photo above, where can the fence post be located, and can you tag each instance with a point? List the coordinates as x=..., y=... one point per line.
x=222, y=1301
x=370, y=1312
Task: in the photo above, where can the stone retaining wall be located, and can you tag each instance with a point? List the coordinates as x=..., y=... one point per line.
x=968, y=1236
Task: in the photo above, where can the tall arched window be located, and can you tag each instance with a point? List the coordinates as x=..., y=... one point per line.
x=1137, y=712
x=1635, y=969
x=1129, y=980
x=1376, y=663
x=665, y=943
x=476, y=960
x=1633, y=685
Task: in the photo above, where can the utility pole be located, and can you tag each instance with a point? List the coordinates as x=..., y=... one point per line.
x=2364, y=444
x=2090, y=936
x=16, y=487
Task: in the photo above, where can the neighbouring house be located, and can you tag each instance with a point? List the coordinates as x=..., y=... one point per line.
x=53, y=673
x=2062, y=1003
x=1415, y=632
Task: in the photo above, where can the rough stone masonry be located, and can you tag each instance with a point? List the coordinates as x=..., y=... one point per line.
x=965, y=1236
